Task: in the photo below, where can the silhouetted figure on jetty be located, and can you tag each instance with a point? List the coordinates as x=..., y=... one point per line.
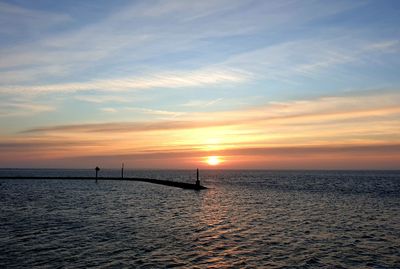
x=97, y=169
x=197, y=180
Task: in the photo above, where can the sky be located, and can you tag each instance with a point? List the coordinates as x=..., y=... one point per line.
x=166, y=84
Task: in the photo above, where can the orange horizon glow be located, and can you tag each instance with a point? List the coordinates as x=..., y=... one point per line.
x=294, y=135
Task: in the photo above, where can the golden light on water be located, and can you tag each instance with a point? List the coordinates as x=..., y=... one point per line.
x=213, y=160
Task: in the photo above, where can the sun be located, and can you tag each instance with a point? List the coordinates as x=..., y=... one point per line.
x=213, y=160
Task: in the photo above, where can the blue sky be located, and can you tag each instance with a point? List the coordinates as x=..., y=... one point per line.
x=88, y=62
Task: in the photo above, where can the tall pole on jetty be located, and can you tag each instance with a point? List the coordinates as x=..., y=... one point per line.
x=97, y=171
x=122, y=171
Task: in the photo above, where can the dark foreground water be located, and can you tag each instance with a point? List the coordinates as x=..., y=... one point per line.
x=247, y=219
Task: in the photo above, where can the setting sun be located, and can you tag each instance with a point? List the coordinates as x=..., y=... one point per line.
x=213, y=160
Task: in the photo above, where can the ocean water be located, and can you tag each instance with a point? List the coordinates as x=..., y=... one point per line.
x=246, y=219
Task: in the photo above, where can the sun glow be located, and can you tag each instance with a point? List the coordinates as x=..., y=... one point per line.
x=213, y=160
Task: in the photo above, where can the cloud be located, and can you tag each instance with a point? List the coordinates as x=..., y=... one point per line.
x=146, y=111
x=202, y=103
x=166, y=28
x=179, y=79
x=25, y=76
x=117, y=127
x=99, y=99
x=16, y=19
x=326, y=149
x=20, y=109
x=109, y=110
x=384, y=46
x=38, y=144
x=313, y=113
x=111, y=39
x=292, y=60
x=154, y=111
x=265, y=151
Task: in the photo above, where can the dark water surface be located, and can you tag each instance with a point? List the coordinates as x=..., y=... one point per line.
x=247, y=219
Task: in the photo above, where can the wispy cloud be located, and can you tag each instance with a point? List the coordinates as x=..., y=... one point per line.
x=155, y=111
x=99, y=99
x=288, y=61
x=166, y=28
x=19, y=109
x=270, y=151
x=202, y=103
x=312, y=113
x=15, y=18
x=124, y=127
x=385, y=46
x=182, y=79
x=146, y=111
x=109, y=109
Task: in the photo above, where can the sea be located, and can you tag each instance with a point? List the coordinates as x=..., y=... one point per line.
x=245, y=219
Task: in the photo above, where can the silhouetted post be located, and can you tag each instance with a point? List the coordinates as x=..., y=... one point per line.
x=197, y=180
x=122, y=171
x=97, y=171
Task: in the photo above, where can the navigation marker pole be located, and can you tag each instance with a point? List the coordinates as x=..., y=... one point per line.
x=197, y=180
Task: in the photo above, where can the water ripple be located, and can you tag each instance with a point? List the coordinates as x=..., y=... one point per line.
x=247, y=219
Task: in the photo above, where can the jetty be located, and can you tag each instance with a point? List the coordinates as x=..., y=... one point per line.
x=170, y=183
x=182, y=185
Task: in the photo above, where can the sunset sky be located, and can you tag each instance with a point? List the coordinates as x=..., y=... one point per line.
x=166, y=84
